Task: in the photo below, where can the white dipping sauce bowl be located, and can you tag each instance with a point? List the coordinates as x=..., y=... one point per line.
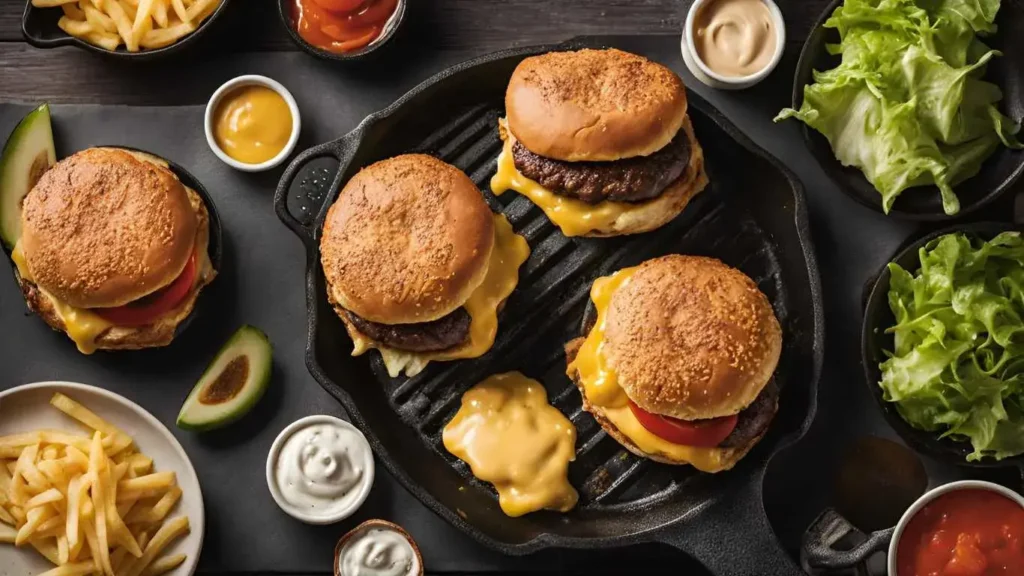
x=931, y=495
x=701, y=71
x=251, y=80
x=362, y=491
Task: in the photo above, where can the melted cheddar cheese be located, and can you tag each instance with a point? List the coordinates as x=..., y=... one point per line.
x=509, y=253
x=601, y=388
x=82, y=326
x=511, y=437
x=573, y=217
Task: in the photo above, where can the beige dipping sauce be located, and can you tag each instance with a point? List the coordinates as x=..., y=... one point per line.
x=735, y=37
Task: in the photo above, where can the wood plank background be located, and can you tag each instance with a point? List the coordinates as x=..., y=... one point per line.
x=457, y=28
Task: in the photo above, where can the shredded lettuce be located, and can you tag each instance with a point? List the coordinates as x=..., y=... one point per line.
x=907, y=105
x=958, y=363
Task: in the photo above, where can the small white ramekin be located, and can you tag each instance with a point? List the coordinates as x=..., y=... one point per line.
x=252, y=80
x=931, y=495
x=275, y=450
x=701, y=71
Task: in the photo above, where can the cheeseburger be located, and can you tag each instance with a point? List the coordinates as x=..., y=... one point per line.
x=678, y=366
x=600, y=140
x=113, y=249
x=416, y=264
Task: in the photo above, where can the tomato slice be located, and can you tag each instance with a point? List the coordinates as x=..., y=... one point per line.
x=145, y=310
x=702, y=433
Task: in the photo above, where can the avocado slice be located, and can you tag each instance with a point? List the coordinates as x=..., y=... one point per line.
x=232, y=383
x=27, y=154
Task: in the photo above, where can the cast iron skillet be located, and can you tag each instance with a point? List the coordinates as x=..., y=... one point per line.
x=753, y=218
x=831, y=526
x=39, y=28
x=215, y=249
x=997, y=174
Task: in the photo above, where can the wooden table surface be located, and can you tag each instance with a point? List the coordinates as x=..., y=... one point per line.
x=457, y=27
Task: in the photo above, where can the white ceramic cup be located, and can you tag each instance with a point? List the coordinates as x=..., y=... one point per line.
x=931, y=495
x=701, y=71
x=365, y=484
x=252, y=80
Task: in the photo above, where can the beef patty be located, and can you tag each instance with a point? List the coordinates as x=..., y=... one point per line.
x=627, y=180
x=446, y=332
x=754, y=419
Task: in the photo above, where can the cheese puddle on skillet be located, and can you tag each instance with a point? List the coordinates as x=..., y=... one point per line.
x=511, y=437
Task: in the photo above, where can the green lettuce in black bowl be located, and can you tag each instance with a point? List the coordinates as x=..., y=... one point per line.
x=943, y=344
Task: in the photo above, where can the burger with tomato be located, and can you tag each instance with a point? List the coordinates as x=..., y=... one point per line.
x=678, y=366
x=113, y=249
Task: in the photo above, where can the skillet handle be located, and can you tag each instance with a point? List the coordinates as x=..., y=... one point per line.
x=732, y=537
x=305, y=226
x=38, y=41
x=817, y=552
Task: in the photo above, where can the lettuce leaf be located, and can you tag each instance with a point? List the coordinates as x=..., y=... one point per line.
x=957, y=366
x=907, y=105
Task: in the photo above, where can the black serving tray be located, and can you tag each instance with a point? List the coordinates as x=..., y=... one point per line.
x=753, y=219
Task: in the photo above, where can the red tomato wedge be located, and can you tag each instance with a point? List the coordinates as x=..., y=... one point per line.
x=147, y=309
x=702, y=433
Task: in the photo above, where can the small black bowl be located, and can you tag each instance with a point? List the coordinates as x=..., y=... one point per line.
x=875, y=341
x=924, y=203
x=39, y=28
x=392, y=26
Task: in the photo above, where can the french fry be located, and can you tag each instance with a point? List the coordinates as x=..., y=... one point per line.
x=73, y=11
x=76, y=569
x=164, y=565
x=159, y=13
x=6, y=518
x=44, y=498
x=62, y=549
x=75, y=489
x=51, y=453
x=51, y=3
x=139, y=463
x=200, y=9
x=48, y=549
x=159, y=510
x=34, y=518
x=76, y=410
x=179, y=9
x=165, y=535
x=155, y=481
x=98, y=19
x=100, y=473
x=158, y=38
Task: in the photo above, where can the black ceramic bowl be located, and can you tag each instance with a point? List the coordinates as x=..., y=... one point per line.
x=39, y=27
x=288, y=21
x=924, y=203
x=875, y=341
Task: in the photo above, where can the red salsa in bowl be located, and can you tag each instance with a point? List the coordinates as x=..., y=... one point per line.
x=968, y=532
x=342, y=26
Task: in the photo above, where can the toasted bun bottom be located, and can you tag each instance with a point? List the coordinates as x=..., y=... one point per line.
x=150, y=336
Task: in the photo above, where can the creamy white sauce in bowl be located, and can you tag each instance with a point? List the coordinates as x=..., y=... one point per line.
x=377, y=548
x=320, y=469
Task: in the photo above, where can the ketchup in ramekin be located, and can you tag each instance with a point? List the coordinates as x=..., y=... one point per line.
x=342, y=26
x=966, y=532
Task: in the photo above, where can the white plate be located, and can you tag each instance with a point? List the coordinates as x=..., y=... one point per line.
x=27, y=408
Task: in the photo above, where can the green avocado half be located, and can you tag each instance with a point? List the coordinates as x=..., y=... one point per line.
x=232, y=384
x=28, y=153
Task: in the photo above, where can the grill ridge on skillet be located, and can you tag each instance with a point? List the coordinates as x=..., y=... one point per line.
x=454, y=116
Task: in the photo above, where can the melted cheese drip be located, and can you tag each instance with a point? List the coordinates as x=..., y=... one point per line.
x=601, y=388
x=82, y=326
x=509, y=253
x=573, y=217
x=511, y=437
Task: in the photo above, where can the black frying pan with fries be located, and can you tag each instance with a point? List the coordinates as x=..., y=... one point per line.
x=107, y=28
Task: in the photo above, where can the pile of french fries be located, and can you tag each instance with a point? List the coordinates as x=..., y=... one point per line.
x=90, y=505
x=137, y=24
